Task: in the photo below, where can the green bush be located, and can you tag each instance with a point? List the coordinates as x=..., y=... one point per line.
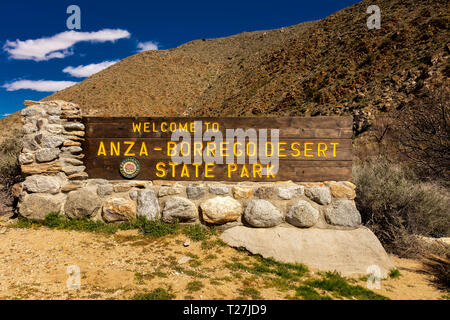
x=397, y=206
x=9, y=164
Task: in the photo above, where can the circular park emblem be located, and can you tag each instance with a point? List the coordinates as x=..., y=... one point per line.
x=129, y=168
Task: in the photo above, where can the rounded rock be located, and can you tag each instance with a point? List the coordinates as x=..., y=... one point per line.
x=343, y=213
x=181, y=209
x=220, y=210
x=302, y=214
x=262, y=214
x=81, y=204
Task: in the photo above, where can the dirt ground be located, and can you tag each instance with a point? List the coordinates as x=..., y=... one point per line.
x=34, y=265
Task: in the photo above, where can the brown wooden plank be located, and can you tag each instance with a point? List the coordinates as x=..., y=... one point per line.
x=300, y=127
x=296, y=171
x=157, y=148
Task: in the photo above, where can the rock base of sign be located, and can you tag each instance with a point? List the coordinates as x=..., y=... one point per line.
x=350, y=252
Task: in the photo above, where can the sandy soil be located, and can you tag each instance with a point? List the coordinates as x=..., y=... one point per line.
x=34, y=262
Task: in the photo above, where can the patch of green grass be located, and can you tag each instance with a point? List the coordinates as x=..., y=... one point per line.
x=394, y=273
x=140, y=277
x=334, y=283
x=270, y=266
x=160, y=274
x=250, y=292
x=194, y=286
x=156, y=229
x=157, y=294
x=197, y=232
x=308, y=293
x=195, y=263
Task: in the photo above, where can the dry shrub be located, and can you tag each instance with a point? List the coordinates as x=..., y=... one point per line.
x=9, y=170
x=422, y=130
x=9, y=164
x=397, y=206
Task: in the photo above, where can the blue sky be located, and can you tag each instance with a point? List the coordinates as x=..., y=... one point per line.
x=39, y=55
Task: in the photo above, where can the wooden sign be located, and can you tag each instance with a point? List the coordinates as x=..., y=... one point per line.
x=306, y=148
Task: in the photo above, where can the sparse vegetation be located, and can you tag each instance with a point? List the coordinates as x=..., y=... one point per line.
x=157, y=294
x=397, y=206
x=194, y=286
x=394, y=273
x=337, y=285
x=155, y=229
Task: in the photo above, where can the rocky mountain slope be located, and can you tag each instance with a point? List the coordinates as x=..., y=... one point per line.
x=332, y=66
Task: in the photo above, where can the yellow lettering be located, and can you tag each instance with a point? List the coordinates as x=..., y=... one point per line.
x=143, y=149
x=115, y=149
x=101, y=149
x=257, y=170
x=298, y=152
x=173, y=165
x=334, y=148
x=281, y=149
x=231, y=168
x=127, y=152
x=196, y=165
x=161, y=167
x=184, y=171
x=308, y=149
x=171, y=148
x=208, y=171
x=136, y=127
x=322, y=150
x=244, y=172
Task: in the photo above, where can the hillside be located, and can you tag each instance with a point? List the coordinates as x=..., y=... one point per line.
x=332, y=66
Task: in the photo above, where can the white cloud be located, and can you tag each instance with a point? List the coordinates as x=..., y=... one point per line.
x=5, y=115
x=147, y=46
x=39, y=85
x=88, y=70
x=59, y=45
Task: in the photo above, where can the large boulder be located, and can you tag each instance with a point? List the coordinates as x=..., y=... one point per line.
x=119, y=209
x=81, y=204
x=42, y=184
x=319, y=194
x=302, y=214
x=37, y=206
x=147, y=205
x=346, y=251
x=220, y=210
x=263, y=214
x=181, y=209
x=343, y=213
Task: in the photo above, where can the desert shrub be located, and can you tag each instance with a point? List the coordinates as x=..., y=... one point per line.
x=397, y=206
x=9, y=164
x=422, y=130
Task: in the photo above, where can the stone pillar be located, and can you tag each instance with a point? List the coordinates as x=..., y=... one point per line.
x=51, y=159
